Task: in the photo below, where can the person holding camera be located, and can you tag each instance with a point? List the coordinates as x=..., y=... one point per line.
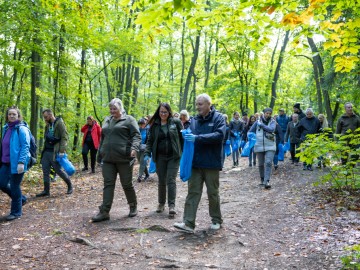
x=55, y=143
x=265, y=145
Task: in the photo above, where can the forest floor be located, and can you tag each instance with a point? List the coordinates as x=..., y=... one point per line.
x=291, y=226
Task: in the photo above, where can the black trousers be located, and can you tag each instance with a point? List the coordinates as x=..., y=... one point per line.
x=89, y=146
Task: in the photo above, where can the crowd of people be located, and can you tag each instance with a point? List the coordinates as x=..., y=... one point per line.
x=121, y=140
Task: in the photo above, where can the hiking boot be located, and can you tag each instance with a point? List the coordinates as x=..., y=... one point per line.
x=92, y=170
x=133, y=211
x=146, y=177
x=267, y=185
x=172, y=210
x=101, y=216
x=215, y=226
x=261, y=181
x=250, y=165
x=11, y=217
x=160, y=208
x=183, y=227
x=139, y=179
x=276, y=167
x=85, y=169
x=43, y=194
x=309, y=168
x=70, y=189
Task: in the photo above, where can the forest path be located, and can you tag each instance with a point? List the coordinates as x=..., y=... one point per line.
x=286, y=227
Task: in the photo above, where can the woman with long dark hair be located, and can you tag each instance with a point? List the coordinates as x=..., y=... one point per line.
x=15, y=155
x=164, y=145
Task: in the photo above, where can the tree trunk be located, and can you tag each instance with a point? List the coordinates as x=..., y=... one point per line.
x=317, y=60
x=35, y=83
x=78, y=104
x=277, y=70
x=181, y=98
x=191, y=70
x=108, y=86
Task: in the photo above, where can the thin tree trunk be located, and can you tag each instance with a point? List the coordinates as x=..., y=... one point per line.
x=181, y=98
x=108, y=86
x=191, y=69
x=78, y=103
x=272, y=61
x=277, y=70
x=317, y=60
x=35, y=83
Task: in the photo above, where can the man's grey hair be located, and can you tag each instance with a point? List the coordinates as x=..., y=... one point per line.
x=117, y=103
x=309, y=110
x=206, y=97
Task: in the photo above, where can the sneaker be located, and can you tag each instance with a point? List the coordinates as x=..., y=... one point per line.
x=139, y=179
x=250, y=165
x=276, y=167
x=101, y=216
x=92, y=170
x=309, y=168
x=146, y=177
x=183, y=227
x=84, y=169
x=172, y=210
x=160, y=208
x=267, y=185
x=215, y=226
x=11, y=217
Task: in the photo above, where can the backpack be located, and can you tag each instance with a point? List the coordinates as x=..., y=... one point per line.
x=32, y=150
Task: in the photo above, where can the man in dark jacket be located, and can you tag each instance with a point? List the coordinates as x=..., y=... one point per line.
x=308, y=125
x=208, y=131
x=282, y=120
x=348, y=121
x=298, y=111
x=292, y=132
x=55, y=143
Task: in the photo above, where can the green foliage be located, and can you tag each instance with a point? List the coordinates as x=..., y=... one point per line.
x=331, y=152
x=351, y=261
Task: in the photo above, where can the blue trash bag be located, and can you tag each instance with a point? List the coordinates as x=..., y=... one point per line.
x=281, y=152
x=249, y=144
x=236, y=142
x=186, y=158
x=242, y=144
x=152, y=167
x=227, y=148
x=287, y=146
x=66, y=164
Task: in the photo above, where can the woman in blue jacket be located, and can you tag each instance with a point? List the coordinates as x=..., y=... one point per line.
x=15, y=156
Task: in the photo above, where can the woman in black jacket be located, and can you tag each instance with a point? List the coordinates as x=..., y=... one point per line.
x=164, y=145
x=252, y=155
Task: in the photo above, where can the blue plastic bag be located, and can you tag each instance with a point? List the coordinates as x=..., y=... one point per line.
x=236, y=142
x=227, y=148
x=287, y=146
x=281, y=152
x=186, y=158
x=152, y=167
x=66, y=164
x=249, y=144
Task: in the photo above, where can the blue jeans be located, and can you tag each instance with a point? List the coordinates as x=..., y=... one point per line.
x=10, y=184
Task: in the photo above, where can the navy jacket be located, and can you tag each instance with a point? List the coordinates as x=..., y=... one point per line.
x=208, y=145
x=283, y=121
x=308, y=126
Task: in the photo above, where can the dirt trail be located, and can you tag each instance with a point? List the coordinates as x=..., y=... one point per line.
x=282, y=228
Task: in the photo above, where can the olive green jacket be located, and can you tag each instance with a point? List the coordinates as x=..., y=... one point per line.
x=61, y=133
x=119, y=139
x=174, y=127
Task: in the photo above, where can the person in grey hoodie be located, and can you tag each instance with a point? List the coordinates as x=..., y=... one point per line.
x=265, y=145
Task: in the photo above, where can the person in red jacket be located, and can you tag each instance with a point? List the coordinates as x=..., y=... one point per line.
x=91, y=142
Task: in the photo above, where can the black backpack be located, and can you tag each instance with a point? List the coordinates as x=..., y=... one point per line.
x=32, y=150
